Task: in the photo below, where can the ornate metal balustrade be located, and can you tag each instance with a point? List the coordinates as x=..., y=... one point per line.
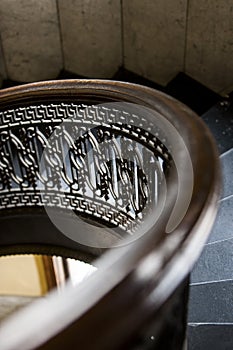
x=111, y=184
x=140, y=171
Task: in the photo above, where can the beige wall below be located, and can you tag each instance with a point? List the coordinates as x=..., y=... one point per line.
x=21, y=275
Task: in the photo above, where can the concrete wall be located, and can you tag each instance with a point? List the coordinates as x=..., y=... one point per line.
x=93, y=38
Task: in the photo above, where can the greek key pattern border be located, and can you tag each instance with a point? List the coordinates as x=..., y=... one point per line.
x=24, y=132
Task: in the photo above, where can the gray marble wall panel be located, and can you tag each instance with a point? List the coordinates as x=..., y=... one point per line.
x=3, y=74
x=30, y=39
x=209, y=51
x=91, y=36
x=154, y=38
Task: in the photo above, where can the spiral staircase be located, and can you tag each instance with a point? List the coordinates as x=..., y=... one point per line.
x=40, y=43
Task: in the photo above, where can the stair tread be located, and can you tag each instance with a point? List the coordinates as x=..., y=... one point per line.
x=223, y=226
x=220, y=122
x=216, y=297
x=227, y=172
x=210, y=337
x=215, y=263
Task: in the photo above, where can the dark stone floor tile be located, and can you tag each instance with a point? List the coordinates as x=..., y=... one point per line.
x=219, y=119
x=210, y=337
x=223, y=226
x=227, y=173
x=211, y=302
x=215, y=263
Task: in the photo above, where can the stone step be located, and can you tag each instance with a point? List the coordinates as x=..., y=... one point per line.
x=211, y=302
x=215, y=263
x=210, y=336
x=219, y=119
x=223, y=226
x=227, y=172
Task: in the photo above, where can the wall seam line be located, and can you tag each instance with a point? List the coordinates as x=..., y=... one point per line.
x=60, y=34
x=186, y=35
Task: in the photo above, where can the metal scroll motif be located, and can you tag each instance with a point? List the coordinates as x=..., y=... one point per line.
x=114, y=183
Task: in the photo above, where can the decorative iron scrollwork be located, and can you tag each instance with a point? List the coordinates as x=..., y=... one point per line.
x=114, y=182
